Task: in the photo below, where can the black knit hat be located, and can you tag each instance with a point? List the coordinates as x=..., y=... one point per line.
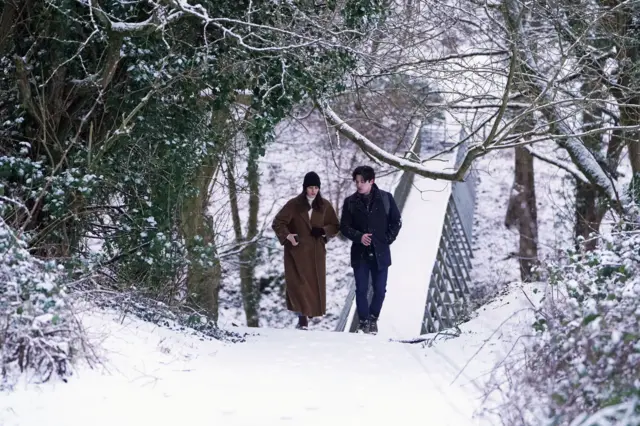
x=311, y=179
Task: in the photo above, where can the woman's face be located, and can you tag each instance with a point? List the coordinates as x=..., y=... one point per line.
x=312, y=191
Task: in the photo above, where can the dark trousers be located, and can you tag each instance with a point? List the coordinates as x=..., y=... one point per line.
x=379, y=283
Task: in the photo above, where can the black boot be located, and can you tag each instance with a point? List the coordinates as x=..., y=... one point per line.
x=303, y=323
x=373, y=324
x=363, y=327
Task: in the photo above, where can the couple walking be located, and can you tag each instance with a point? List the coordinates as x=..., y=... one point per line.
x=370, y=219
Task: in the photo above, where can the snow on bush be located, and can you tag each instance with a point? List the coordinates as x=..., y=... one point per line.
x=38, y=332
x=585, y=355
x=623, y=414
x=179, y=318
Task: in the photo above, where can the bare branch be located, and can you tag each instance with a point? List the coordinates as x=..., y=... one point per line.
x=393, y=160
x=564, y=166
x=539, y=87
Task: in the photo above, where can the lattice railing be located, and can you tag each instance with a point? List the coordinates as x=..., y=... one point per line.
x=448, y=294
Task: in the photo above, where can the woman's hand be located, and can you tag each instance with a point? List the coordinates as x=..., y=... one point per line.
x=292, y=239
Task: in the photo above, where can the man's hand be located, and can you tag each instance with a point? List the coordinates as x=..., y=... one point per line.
x=292, y=239
x=366, y=239
x=317, y=232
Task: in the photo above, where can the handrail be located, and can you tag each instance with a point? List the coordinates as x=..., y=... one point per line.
x=448, y=294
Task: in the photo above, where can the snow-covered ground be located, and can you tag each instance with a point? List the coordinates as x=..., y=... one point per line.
x=152, y=375
x=156, y=376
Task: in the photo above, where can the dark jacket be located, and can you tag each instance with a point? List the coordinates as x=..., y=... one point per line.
x=357, y=220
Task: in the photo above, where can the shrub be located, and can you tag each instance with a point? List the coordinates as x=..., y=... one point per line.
x=38, y=331
x=585, y=354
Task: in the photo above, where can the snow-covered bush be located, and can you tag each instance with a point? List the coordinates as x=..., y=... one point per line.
x=38, y=332
x=179, y=318
x=586, y=352
x=625, y=413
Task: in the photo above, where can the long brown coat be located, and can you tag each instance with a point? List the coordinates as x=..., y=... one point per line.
x=305, y=264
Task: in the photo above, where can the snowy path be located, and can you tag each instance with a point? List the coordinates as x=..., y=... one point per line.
x=279, y=377
x=413, y=255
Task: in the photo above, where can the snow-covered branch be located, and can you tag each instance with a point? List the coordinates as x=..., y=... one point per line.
x=370, y=148
x=437, y=60
x=560, y=164
x=582, y=157
x=401, y=163
x=240, y=30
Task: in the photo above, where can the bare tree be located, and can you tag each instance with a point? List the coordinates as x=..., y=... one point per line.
x=475, y=85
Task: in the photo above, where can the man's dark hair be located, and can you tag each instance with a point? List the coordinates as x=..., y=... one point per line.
x=366, y=172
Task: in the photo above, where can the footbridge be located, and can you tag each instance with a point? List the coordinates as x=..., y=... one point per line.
x=428, y=282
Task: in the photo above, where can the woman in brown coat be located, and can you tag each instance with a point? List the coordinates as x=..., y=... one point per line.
x=303, y=226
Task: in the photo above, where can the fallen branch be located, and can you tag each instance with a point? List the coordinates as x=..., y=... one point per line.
x=422, y=339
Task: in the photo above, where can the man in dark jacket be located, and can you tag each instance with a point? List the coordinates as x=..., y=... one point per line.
x=371, y=220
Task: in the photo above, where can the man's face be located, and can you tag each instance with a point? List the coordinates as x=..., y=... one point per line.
x=362, y=186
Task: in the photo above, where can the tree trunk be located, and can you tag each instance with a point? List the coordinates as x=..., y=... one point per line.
x=630, y=116
x=633, y=144
x=627, y=90
x=522, y=211
x=204, y=273
x=249, y=288
x=7, y=21
x=588, y=200
x=587, y=217
x=629, y=79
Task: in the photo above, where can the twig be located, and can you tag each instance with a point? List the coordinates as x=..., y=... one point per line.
x=485, y=342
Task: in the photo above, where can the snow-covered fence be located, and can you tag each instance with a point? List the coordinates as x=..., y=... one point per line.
x=448, y=292
x=464, y=194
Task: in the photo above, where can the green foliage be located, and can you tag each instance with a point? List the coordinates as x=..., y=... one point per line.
x=108, y=123
x=37, y=330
